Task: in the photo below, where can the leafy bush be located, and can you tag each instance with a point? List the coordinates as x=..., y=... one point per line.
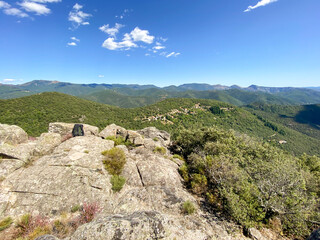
x=188, y=207
x=75, y=208
x=30, y=227
x=252, y=182
x=5, y=223
x=88, y=212
x=119, y=140
x=160, y=150
x=114, y=161
x=117, y=182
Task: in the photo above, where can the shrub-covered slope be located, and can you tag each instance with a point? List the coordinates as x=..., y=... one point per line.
x=34, y=113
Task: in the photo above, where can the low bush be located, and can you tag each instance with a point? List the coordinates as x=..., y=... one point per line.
x=160, y=150
x=117, y=182
x=250, y=181
x=119, y=141
x=88, y=212
x=5, y=223
x=30, y=227
x=75, y=208
x=188, y=208
x=114, y=161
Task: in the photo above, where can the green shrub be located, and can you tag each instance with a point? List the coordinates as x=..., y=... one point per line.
x=183, y=170
x=117, y=182
x=178, y=157
x=119, y=140
x=198, y=183
x=160, y=150
x=251, y=181
x=156, y=139
x=5, y=223
x=188, y=208
x=114, y=161
x=75, y=208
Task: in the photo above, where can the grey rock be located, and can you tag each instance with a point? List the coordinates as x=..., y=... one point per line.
x=315, y=235
x=11, y=134
x=47, y=237
x=135, y=138
x=66, y=128
x=46, y=143
x=113, y=130
x=71, y=175
x=154, y=133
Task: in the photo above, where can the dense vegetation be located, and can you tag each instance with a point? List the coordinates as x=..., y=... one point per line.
x=34, y=113
x=252, y=182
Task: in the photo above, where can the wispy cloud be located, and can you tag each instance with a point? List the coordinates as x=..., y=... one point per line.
x=260, y=4
x=100, y=76
x=8, y=10
x=73, y=44
x=124, y=13
x=75, y=39
x=10, y=80
x=37, y=8
x=15, y=12
x=4, y=4
x=173, y=54
x=46, y=1
x=78, y=17
x=112, y=31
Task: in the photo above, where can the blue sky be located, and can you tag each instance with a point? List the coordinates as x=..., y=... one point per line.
x=161, y=42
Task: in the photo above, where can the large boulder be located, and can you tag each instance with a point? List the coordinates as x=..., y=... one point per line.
x=11, y=134
x=135, y=138
x=158, y=135
x=66, y=128
x=71, y=175
x=113, y=130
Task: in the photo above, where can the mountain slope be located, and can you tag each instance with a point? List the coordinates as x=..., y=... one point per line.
x=34, y=113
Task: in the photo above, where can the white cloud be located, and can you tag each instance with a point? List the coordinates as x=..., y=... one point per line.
x=75, y=39
x=173, y=54
x=111, y=31
x=6, y=80
x=78, y=17
x=158, y=46
x=46, y=1
x=147, y=54
x=15, y=12
x=125, y=44
x=163, y=39
x=38, y=8
x=260, y=4
x=129, y=39
x=101, y=76
x=72, y=44
x=141, y=35
x=124, y=14
x=4, y=4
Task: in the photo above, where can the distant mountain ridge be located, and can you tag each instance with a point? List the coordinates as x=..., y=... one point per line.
x=135, y=95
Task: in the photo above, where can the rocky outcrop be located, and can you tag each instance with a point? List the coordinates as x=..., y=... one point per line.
x=157, y=135
x=66, y=128
x=64, y=174
x=47, y=237
x=11, y=134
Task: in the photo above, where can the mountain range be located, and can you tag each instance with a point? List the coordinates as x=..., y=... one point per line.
x=134, y=95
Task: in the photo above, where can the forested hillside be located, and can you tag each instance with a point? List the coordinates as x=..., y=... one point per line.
x=34, y=113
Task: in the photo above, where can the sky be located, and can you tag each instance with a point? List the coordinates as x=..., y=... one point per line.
x=161, y=42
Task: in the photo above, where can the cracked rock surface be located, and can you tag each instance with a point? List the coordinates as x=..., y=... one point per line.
x=72, y=172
